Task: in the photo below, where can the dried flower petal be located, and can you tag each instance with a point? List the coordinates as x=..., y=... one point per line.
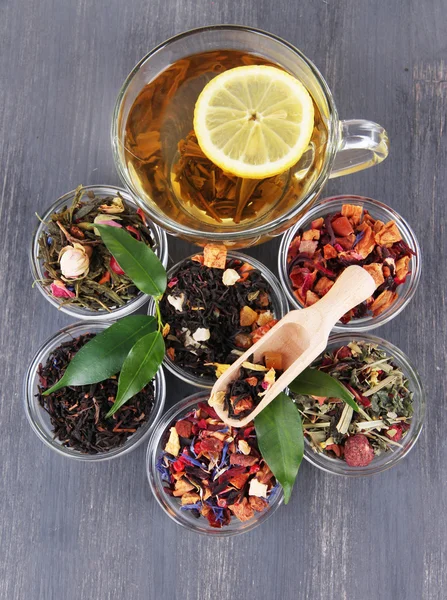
x=59, y=290
x=106, y=220
x=114, y=265
x=114, y=208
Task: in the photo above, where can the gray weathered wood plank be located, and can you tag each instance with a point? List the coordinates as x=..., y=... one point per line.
x=94, y=531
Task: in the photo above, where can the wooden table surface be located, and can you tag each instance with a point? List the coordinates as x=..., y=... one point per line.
x=92, y=531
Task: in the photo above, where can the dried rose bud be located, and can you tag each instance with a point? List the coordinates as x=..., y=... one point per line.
x=74, y=261
x=59, y=290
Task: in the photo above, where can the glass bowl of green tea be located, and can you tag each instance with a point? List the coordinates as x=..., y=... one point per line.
x=391, y=408
x=71, y=265
x=73, y=420
x=351, y=230
x=206, y=476
x=217, y=304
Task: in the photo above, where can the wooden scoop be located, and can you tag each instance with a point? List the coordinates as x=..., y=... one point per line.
x=299, y=337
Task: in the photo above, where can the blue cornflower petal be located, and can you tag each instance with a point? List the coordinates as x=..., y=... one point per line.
x=196, y=506
x=358, y=237
x=224, y=455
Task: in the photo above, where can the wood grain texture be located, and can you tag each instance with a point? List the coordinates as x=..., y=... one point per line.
x=94, y=532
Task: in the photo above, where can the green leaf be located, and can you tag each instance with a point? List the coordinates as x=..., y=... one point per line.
x=312, y=382
x=104, y=355
x=140, y=366
x=136, y=259
x=281, y=441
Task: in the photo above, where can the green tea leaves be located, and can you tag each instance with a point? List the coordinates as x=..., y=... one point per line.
x=139, y=368
x=280, y=437
x=312, y=382
x=136, y=259
x=103, y=356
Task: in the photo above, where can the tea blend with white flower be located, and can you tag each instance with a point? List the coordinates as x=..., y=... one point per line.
x=215, y=308
x=78, y=268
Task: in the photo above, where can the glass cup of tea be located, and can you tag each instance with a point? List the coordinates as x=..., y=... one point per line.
x=162, y=165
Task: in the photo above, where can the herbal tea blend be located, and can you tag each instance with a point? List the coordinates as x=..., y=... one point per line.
x=78, y=268
x=215, y=471
x=317, y=256
x=215, y=308
x=381, y=391
x=78, y=413
x=253, y=382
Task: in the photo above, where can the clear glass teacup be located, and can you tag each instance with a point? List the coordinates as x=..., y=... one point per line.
x=154, y=113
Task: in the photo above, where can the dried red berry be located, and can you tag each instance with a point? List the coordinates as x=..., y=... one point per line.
x=358, y=451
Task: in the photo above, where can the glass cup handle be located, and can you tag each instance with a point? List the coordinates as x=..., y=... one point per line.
x=363, y=144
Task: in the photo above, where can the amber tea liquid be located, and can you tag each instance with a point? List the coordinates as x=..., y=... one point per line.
x=169, y=170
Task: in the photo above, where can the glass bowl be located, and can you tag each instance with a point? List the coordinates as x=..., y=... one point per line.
x=40, y=420
x=378, y=210
x=160, y=248
x=391, y=457
x=171, y=505
x=280, y=309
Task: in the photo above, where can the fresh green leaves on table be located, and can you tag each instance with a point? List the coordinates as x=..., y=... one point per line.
x=103, y=356
x=279, y=428
x=312, y=382
x=280, y=437
x=134, y=346
x=139, y=368
x=136, y=259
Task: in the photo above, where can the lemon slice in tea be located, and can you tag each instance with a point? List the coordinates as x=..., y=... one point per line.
x=254, y=121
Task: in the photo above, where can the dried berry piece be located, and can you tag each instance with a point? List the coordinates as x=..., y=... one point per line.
x=358, y=451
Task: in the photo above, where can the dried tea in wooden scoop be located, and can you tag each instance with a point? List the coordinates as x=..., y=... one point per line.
x=299, y=337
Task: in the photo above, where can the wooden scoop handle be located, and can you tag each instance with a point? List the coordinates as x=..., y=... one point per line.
x=313, y=324
x=355, y=285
